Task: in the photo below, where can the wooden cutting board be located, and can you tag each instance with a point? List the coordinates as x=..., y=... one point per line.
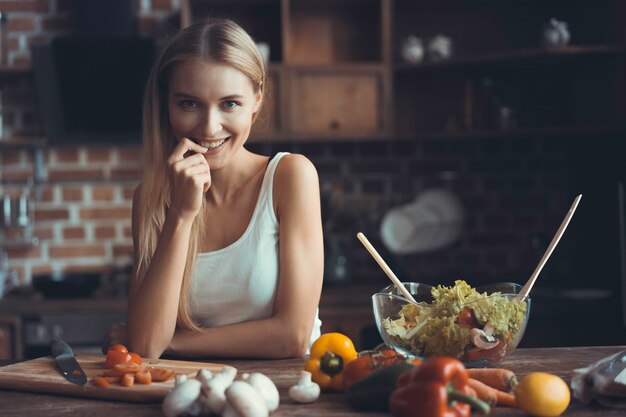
x=42, y=375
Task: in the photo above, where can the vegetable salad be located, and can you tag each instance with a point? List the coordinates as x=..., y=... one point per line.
x=460, y=322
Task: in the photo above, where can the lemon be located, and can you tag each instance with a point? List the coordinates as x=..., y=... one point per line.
x=543, y=395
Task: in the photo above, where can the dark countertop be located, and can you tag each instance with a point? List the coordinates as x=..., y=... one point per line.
x=560, y=361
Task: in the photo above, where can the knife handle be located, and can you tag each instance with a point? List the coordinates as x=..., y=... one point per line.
x=59, y=347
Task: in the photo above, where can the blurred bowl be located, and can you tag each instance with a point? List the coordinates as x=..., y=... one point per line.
x=388, y=303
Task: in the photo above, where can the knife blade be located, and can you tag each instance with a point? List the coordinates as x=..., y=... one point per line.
x=66, y=361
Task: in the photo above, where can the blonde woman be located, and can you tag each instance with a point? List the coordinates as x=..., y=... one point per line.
x=228, y=243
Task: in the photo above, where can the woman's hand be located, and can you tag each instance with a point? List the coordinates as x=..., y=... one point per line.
x=116, y=335
x=190, y=178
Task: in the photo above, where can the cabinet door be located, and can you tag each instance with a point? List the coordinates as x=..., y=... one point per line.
x=338, y=104
x=10, y=343
x=268, y=122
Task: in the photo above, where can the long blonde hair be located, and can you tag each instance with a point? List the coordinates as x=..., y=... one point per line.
x=220, y=41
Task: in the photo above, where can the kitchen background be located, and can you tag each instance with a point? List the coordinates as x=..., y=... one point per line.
x=513, y=136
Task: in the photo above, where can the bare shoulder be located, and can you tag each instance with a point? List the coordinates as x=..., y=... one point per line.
x=295, y=167
x=295, y=179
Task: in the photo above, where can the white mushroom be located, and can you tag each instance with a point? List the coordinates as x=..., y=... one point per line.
x=180, y=378
x=204, y=375
x=266, y=387
x=214, y=389
x=305, y=391
x=181, y=399
x=245, y=401
x=482, y=340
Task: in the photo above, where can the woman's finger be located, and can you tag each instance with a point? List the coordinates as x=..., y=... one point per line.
x=196, y=159
x=195, y=170
x=185, y=145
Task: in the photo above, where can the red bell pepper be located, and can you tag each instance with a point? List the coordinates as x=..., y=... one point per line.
x=436, y=388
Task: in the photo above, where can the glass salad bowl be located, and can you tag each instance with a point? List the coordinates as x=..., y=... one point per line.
x=478, y=326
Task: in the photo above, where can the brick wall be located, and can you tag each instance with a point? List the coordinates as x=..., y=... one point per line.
x=514, y=191
x=82, y=212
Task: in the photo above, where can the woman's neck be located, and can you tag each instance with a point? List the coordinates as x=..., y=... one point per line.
x=227, y=182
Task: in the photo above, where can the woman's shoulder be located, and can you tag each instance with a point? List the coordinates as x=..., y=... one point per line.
x=294, y=169
x=295, y=164
x=295, y=178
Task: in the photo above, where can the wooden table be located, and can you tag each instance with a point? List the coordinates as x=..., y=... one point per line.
x=560, y=361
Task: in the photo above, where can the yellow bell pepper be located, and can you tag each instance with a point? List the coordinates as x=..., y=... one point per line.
x=330, y=354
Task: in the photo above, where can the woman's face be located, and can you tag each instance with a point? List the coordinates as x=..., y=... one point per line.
x=212, y=104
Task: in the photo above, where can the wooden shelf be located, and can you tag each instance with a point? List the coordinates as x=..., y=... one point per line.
x=338, y=67
x=23, y=142
x=518, y=133
x=282, y=137
x=539, y=55
x=16, y=71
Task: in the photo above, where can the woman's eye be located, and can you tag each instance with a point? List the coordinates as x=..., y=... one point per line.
x=230, y=105
x=188, y=104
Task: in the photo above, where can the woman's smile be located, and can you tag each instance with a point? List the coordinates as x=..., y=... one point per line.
x=211, y=145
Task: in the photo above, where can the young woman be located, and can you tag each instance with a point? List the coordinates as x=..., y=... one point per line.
x=228, y=243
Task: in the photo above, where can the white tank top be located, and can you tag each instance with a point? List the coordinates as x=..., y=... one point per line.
x=238, y=283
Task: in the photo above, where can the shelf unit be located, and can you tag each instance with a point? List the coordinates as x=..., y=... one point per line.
x=337, y=73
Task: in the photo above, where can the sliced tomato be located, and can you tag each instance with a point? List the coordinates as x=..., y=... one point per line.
x=100, y=382
x=466, y=318
x=369, y=361
x=128, y=368
x=144, y=377
x=135, y=358
x=475, y=353
x=115, y=357
x=118, y=348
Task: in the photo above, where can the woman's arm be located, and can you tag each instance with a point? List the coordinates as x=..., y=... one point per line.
x=153, y=298
x=287, y=332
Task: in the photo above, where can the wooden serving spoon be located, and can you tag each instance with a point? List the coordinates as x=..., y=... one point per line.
x=555, y=240
x=385, y=267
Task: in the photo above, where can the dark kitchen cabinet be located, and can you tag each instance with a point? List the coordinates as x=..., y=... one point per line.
x=500, y=80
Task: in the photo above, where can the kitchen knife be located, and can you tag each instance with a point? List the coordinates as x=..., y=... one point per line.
x=64, y=357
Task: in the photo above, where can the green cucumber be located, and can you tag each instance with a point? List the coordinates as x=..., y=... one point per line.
x=373, y=391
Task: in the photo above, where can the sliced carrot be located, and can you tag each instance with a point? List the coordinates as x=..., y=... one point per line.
x=128, y=368
x=160, y=374
x=112, y=373
x=112, y=379
x=144, y=378
x=101, y=382
x=128, y=380
x=498, y=378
